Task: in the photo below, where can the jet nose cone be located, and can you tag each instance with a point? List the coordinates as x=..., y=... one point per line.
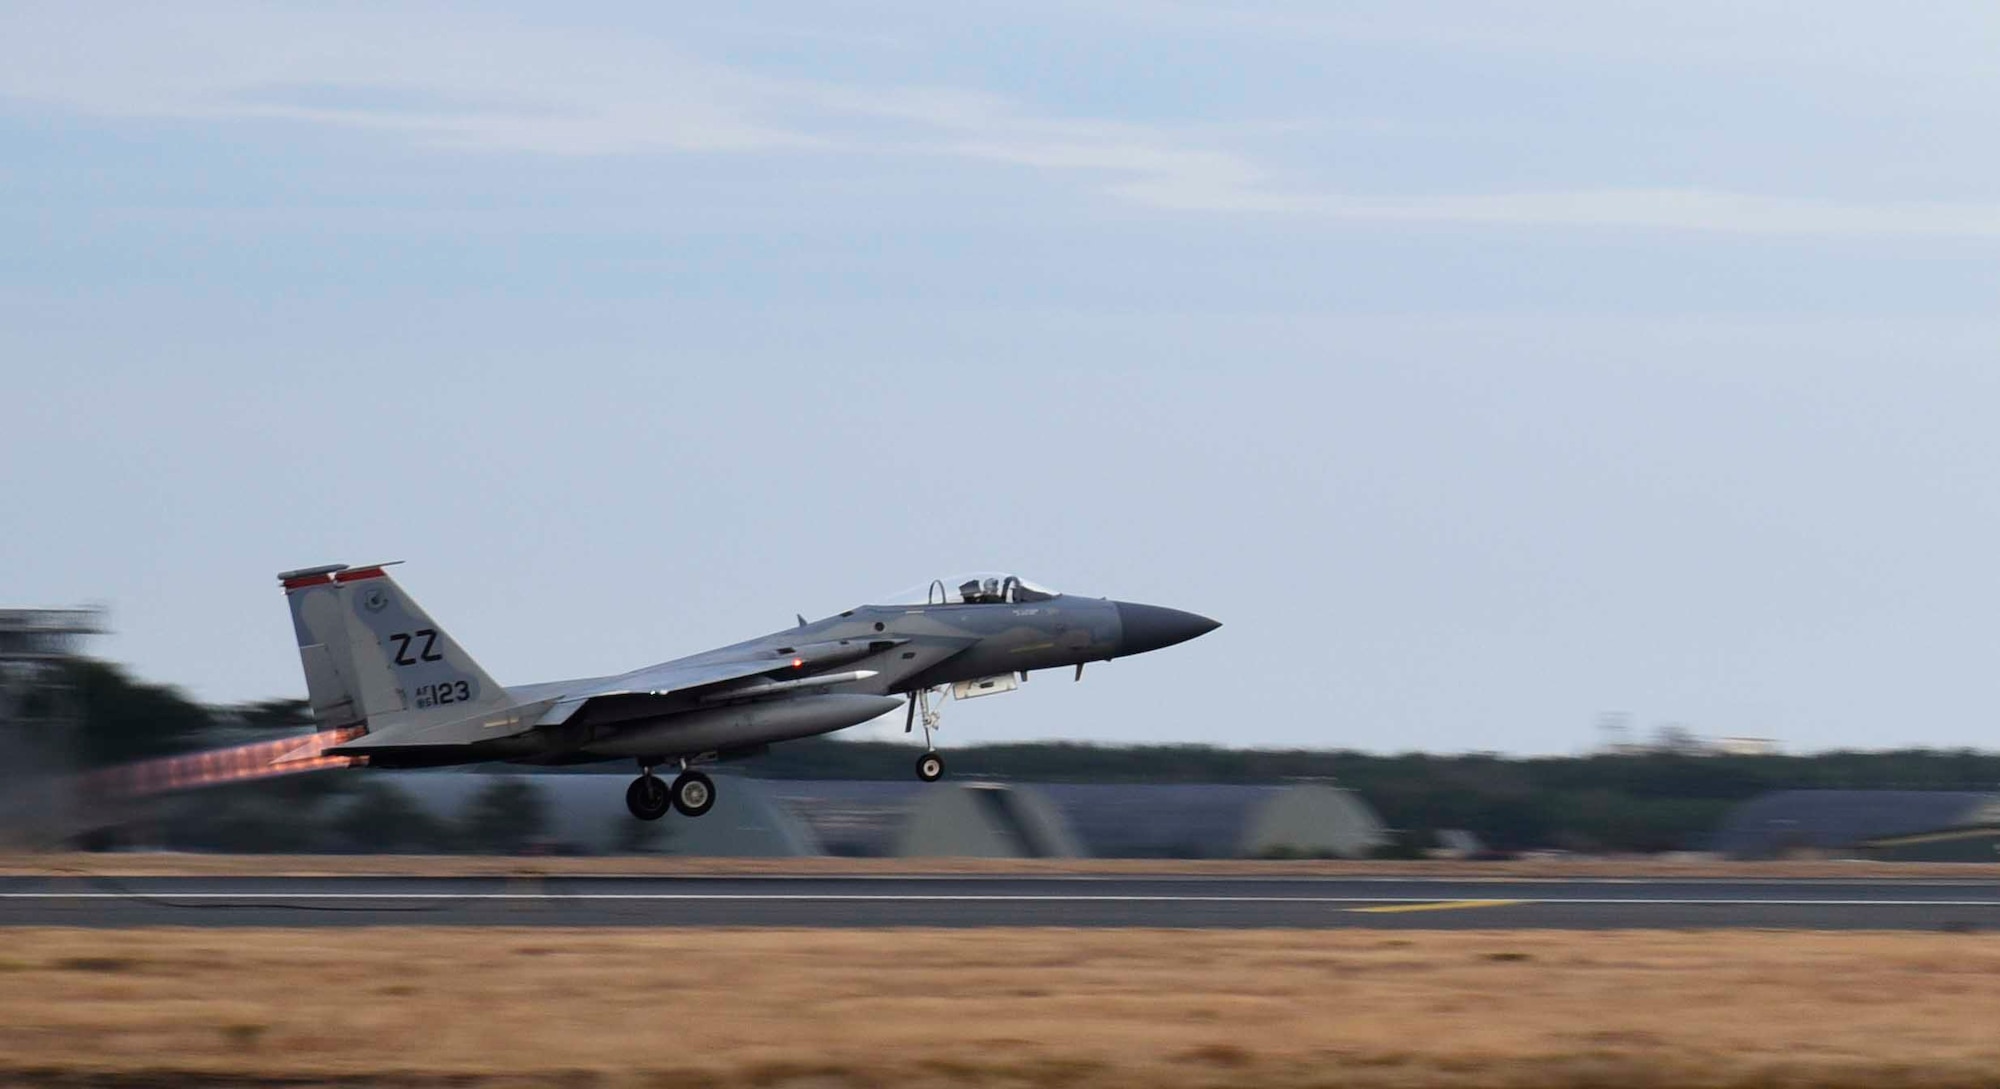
x=1150, y=627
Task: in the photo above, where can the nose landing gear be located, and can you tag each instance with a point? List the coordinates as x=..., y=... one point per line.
x=930, y=766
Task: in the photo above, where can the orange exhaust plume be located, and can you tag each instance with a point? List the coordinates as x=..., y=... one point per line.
x=236, y=764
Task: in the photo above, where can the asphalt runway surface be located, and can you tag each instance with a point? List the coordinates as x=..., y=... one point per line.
x=1105, y=900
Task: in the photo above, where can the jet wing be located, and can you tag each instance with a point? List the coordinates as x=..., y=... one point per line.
x=665, y=680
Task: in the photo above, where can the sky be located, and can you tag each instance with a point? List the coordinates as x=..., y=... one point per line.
x=1485, y=368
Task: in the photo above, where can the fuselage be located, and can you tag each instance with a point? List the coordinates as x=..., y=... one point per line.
x=827, y=675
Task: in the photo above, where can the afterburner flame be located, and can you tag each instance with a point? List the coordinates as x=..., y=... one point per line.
x=236, y=764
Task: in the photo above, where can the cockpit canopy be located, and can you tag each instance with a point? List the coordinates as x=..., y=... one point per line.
x=973, y=588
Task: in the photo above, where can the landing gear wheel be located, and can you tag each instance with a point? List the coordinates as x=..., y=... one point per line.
x=694, y=793
x=647, y=798
x=930, y=767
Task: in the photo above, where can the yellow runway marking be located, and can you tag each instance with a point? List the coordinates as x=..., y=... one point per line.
x=1442, y=905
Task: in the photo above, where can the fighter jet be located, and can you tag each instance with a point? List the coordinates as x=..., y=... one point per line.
x=405, y=694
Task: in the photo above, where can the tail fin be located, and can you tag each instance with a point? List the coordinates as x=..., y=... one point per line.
x=372, y=656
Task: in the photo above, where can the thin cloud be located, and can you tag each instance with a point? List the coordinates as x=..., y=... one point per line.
x=1700, y=210
x=481, y=84
x=488, y=85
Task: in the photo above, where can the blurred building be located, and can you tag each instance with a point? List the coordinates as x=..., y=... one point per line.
x=1219, y=820
x=1312, y=820
x=984, y=820
x=505, y=810
x=1856, y=823
x=752, y=817
x=1980, y=843
x=1100, y=820
x=37, y=709
x=856, y=818
x=34, y=644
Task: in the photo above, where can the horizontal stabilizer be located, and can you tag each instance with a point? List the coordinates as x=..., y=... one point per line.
x=427, y=732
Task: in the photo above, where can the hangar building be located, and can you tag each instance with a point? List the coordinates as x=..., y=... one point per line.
x=581, y=812
x=983, y=820
x=1219, y=820
x=1102, y=820
x=1856, y=823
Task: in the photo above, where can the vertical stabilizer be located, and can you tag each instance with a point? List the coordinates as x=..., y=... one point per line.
x=373, y=656
x=313, y=597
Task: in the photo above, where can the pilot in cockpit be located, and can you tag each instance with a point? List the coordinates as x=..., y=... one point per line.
x=975, y=592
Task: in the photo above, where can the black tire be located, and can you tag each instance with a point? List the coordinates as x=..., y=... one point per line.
x=930, y=767
x=648, y=798
x=694, y=793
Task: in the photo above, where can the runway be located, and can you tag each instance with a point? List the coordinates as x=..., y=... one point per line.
x=1104, y=900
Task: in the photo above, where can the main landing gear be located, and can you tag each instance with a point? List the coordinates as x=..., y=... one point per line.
x=694, y=793
x=649, y=799
x=930, y=766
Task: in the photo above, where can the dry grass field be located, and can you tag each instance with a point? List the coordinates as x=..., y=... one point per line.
x=166, y=864
x=1056, y=1008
